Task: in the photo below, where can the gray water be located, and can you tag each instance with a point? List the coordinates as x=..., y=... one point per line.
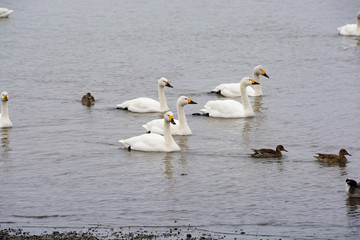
x=62, y=167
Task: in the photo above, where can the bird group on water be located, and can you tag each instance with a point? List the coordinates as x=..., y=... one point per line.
x=160, y=131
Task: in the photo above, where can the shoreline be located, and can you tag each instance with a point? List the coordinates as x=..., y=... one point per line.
x=124, y=233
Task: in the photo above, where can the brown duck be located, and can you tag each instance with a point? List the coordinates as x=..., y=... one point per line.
x=333, y=157
x=268, y=153
x=88, y=99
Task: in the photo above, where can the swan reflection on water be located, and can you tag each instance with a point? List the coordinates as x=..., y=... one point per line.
x=258, y=104
x=5, y=142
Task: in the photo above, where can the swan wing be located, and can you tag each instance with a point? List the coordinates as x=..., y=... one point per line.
x=157, y=126
x=223, y=109
x=349, y=30
x=228, y=89
x=4, y=12
x=146, y=142
x=141, y=105
x=232, y=90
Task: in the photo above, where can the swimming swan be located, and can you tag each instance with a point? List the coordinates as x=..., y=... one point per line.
x=351, y=29
x=181, y=127
x=4, y=116
x=152, y=142
x=352, y=188
x=233, y=89
x=4, y=12
x=231, y=108
x=144, y=105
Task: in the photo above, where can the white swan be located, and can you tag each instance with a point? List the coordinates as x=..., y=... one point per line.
x=231, y=108
x=181, y=127
x=4, y=116
x=233, y=89
x=4, y=12
x=152, y=142
x=351, y=29
x=143, y=105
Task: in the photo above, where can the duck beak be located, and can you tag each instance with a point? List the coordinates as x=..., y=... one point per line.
x=168, y=84
x=264, y=73
x=191, y=101
x=171, y=119
x=253, y=82
x=285, y=150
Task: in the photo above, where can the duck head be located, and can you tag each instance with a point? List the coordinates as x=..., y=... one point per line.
x=280, y=148
x=344, y=152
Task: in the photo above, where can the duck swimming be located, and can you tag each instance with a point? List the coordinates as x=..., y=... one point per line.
x=268, y=153
x=351, y=29
x=145, y=105
x=332, y=158
x=4, y=116
x=352, y=188
x=181, y=127
x=88, y=99
x=233, y=89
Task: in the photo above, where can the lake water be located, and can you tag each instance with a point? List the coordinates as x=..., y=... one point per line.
x=61, y=165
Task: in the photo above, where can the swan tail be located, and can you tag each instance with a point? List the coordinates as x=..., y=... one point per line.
x=147, y=128
x=121, y=107
x=201, y=114
x=215, y=91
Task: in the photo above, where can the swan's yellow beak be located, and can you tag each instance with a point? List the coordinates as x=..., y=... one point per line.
x=5, y=97
x=168, y=84
x=253, y=82
x=264, y=73
x=171, y=119
x=190, y=101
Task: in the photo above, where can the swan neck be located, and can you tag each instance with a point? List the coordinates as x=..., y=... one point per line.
x=167, y=134
x=162, y=99
x=245, y=98
x=181, y=116
x=358, y=23
x=257, y=88
x=4, y=110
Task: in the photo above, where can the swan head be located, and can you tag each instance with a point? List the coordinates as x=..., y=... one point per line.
x=344, y=152
x=248, y=81
x=280, y=148
x=4, y=96
x=182, y=101
x=169, y=116
x=164, y=82
x=259, y=70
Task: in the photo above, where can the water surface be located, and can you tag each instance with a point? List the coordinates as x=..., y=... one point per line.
x=62, y=167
